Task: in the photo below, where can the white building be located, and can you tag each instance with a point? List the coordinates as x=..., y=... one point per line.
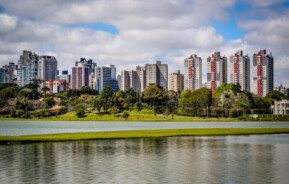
x=281, y=107
x=27, y=68
x=193, y=72
x=263, y=74
x=217, y=72
x=240, y=70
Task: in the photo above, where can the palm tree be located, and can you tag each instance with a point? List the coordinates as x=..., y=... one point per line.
x=227, y=100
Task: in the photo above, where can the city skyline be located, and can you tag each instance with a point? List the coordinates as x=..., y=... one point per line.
x=144, y=32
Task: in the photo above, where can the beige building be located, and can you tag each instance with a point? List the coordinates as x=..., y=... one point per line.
x=281, y=107
x=176, y=81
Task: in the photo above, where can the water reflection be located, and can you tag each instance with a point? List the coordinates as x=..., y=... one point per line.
x=161, y=160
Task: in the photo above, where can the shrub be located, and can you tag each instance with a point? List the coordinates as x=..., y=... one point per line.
x=40, y=113
x=80, y=113
x=19, y=112
x=125, y=114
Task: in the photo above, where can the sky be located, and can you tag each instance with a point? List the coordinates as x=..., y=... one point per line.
x=127, y=33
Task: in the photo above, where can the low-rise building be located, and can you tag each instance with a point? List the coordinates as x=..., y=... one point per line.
x=281, y=107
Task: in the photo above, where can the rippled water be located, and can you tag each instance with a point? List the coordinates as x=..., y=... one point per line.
x=225, y=159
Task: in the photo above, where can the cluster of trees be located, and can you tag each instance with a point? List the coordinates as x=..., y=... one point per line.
x=228, y=100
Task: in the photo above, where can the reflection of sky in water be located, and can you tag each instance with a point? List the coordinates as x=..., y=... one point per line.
x=46, y=127
x=225, y=159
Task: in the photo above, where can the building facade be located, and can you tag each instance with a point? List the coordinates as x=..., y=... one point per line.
x=47, y=68
x=193, y=72
x=263, y=74
x=157, y=74
x=125, y=80
x=176, y=81
x=217, y=72
x=240, y=70
x=281, y=107
x=82, y=73
x=106, y=76
x=141, y=73
x=8, y=73
x=27, y=68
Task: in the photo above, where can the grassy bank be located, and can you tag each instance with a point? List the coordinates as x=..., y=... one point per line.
x=71, y=116
x=143, y=133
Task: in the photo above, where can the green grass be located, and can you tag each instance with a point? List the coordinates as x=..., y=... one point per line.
x=143, y=133
x=70, y=116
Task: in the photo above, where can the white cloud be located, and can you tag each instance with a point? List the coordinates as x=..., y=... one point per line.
x=167, y=30
x=7, y=23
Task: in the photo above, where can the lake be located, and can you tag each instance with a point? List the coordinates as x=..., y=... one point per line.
x=223, y=159
x=50, y=127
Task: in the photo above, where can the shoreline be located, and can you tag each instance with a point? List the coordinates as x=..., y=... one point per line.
x=141, y=134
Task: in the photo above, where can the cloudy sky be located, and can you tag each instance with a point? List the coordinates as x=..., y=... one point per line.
x=131, y=32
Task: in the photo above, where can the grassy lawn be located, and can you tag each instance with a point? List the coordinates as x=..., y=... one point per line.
x=70, y=116
x=144, y=133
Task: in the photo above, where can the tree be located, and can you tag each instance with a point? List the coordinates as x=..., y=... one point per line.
x=106, y=95
x=87, y=90
x=80, y=113
x=156, y=97
x=50, y=102
x=172, y=102
x=235, y=88
x=274, y=95
x=97, y=102
x=45, y=89
x=195, y=102
x=6, y=94
x=227, y=100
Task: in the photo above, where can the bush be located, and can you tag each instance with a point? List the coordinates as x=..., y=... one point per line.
x=125, y=114
x=235, y=113
x=40, y=113
x=80, y=113
x=19, y=113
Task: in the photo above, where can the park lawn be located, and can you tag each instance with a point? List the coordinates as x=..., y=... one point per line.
x=143, y=134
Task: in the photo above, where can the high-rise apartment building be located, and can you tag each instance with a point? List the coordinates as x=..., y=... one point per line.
x=141, y=73
x=176, y=81
x=106, y=76
x=125, y=80
x=240, y=70
x=263, y=75
x=129, y=79
x=216, y=71
x=8, y=73
x=27, y=68
x=193, y=72
x=81, y=73
x=47, y=68
x=157, y=74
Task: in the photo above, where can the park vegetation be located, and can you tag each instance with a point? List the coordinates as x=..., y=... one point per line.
x=32, y=101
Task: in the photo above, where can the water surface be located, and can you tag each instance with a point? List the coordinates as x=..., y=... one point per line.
x=50, y=127
x=224, y=159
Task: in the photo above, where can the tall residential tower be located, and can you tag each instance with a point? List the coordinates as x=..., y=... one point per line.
x=263, y=75
x=193, y=72
x=240, y=70
x=216, y=71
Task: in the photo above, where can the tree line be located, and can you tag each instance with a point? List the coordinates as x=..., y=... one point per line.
x=228, y=101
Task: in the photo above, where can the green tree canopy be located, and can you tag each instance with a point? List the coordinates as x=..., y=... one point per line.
x=195, y=102
x=235, y=88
